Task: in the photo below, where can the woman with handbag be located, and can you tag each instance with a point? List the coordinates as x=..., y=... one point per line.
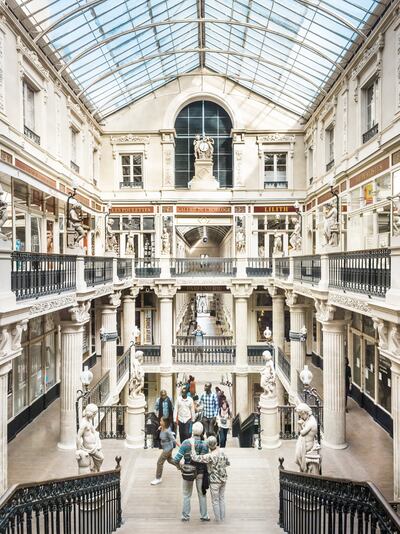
x=224, y=418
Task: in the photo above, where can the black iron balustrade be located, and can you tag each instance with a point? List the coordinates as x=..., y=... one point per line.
x=218, y=355
x=330, y=165
x=365, y=271
x=147, y=268
x=74, y=166
x=124, y=268
x=87, y=504
x=36, y=275
x=123, y=365
x=282, y=267
x=208, y=341
x=32, y=135
x=112, y=422
x=323, y=505
x=98, y=270
x=203, y=267
x=288, y=422
x=255, y=354
x=99, y=393
x=307, y=269
x=283, y=363
x=369, y=134
x=281, y=184
x=151, y=353
x=259, y=267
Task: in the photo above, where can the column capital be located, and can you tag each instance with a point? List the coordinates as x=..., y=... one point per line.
x=165, y=289
x=274, y=292
x=294, y=300
x=394, y=341
x=78, y=314
x=115, y=299
x=324, y=311
x=132, y=293
x=241, y=289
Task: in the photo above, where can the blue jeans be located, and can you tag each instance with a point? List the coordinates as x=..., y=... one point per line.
x=187, y=489
x=223, y=433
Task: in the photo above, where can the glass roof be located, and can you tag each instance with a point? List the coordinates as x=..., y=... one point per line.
x=113, y=52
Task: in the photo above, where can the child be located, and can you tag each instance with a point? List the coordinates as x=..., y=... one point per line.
x=167, y=439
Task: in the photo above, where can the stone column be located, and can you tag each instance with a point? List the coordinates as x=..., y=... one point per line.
x=395, y=374
x=241, y=291
x=72, y=329
x=4, y=370
x=165, y=291
x=297, y=347
x=278, y=318
x=109, y=347
x=269, y=422
x=128, y=311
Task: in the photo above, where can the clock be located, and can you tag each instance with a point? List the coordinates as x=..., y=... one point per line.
x=203, y=146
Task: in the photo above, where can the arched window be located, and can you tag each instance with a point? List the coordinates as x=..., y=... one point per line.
x=204, y=118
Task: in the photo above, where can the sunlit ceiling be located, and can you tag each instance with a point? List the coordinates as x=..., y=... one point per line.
x=113, y=52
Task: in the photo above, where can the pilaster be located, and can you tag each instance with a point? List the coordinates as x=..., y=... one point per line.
x=109, y=339
x=165, y=291
x=128, y=315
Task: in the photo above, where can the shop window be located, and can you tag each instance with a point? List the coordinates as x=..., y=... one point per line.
x=20, y=193
x=356, y=371
x=369, y=369
x=368, y=326
x=50, y=360
x=148, y=223
x=20, y=230
x=132, y=170
x=35, y=234
x=384, y=384
x=36, y=374
x=20, y=384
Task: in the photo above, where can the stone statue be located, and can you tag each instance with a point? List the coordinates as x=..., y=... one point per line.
x=308, y=457
x=331, y=226
x=261, y=251
x=111, y=240
x=130, y=245
x=203, y=147
x=268, y=375
x=136, y=383
x=295, y=238
x=396, y=218
x=3, y=215
x=278, y=245
x=75, y=217
x=165, y=242
x=88, y=446
x=240, y=240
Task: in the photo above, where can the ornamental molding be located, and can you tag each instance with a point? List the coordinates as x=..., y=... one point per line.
x=367, y=55
x=131, y=139
x=325, y=310
x=291, y=298
x=304, y=291
x=276, y=138
x=80, y=313
x=382, y=329
x=43, y=307
x=350, y=302
x=4, y=338
x=32, y=57
x=241, y=290
x=16, y=334
x=115, y=299
x=72, y=107
x=105, y=290
x=394, y=340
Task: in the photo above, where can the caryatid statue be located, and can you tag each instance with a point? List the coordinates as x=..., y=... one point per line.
x=268, y=375
x=203, y=147
x=308, y=457
x=165, y=242
x=3, y=215
x=136, y=383
x=295, y=238
x=278, y=244
x=331, y=225
x=111, y=240
x=75, y=218
x=88, y=445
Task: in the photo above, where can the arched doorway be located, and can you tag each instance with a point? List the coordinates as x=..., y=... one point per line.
x=205, y=118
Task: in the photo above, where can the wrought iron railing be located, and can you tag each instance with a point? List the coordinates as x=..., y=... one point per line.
x=112, y=422
x=330, y=165
x=98, y=270
x=99, y=393
x=369, y=134
x=283, y=363
x=147, y=267
x=36, y=275
x=74, y=166
x=365, y=271
x=123, y=365
x=282, y=184
x=307, y=269
x=324, y=505
x=124, y=268
x=32, y=135
x=87, y=504
x=288, y=420
x=259, y=267
x=222, y=355
x=203, y=267
x=151, y=353
x=282, y=267
x=208, y=341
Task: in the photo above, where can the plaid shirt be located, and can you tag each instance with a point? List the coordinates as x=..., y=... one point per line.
x=210, y=405
x=185, y=450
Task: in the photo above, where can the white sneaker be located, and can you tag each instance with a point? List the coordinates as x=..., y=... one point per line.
x=156, y=481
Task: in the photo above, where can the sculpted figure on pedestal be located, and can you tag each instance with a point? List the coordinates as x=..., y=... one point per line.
x=240, y=240
x=331, y=226
x=111, y=240
x=396, y=218
x=295, y=238
x=76, y=223
x=268, y=375
x=278, y=245
x=3, y=215
x=165, y=242
x=88, y=446
x=130, y=245
x=307, y=447
x=136, y=383
x=203, y=147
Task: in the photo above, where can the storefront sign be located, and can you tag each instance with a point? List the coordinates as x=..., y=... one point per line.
x=203, y=209
x=202, y=289
x=274, y=209
x=132, y=209
x=148, y=327
x=370, y=172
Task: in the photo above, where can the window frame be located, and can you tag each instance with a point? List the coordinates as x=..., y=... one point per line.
x=275, y=154
x=129, y=183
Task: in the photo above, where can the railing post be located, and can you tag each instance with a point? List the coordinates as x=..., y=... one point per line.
x=115, y=271
x=291, y=269
x=81, y=284
x=7, y=297
x=165, y=267
x=393, y=295
x=324, y=281
x=241, y=264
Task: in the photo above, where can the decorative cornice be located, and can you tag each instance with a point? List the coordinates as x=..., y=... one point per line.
x=60, y=302
x=349, y=302
x=74, y=108
x=367, y=55
x=276, y=138
x=105, y=290
x=32, y=57
x=130, y=138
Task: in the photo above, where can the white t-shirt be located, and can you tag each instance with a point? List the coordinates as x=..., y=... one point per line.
x=184, y=409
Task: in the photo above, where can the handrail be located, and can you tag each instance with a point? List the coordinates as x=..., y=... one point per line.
x=100, y=390
x=322, y=502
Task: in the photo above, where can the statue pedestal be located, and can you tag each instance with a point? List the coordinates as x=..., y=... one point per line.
x=203, y=179
x=269, y=422
x=135, y=422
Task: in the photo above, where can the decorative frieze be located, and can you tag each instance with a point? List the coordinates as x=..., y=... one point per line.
x=50, y=305
x=80, y=313
x=367, y=55
x=349, y=302
x=32, y=57
x=131, y=139
x=276, y=138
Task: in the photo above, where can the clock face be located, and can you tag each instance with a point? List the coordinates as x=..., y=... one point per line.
x=203, y=146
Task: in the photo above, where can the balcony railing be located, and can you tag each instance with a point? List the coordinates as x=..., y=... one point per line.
x=123, y=365
x=289, y=420
x=202, y=355
x=98, y=270
x=112, y=422
x=208, y=341
x=366, y=271
x=131, y=185
x=124, y=268
x=203, y=267
x=147, y=267
x=307, y=269
x=283, y=363
x=255, y=354
x=74, y=166
x=282, y=267
x=31, y=135
x=277, y=185
x=36, y=275
x=369, y=134
x=99, y=393
x=330, y=165
x=151, y=353
x=259, y=267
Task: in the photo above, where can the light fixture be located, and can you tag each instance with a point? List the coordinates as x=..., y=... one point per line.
x=303, y=333
x=86, y=377
x=306, y=376
x=268, y=334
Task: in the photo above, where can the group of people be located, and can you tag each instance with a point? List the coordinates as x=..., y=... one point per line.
x=199, y=460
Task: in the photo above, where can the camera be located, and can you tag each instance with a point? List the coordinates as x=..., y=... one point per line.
x=205, y=239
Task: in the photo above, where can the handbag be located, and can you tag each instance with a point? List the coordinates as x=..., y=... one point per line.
x=189, y=472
